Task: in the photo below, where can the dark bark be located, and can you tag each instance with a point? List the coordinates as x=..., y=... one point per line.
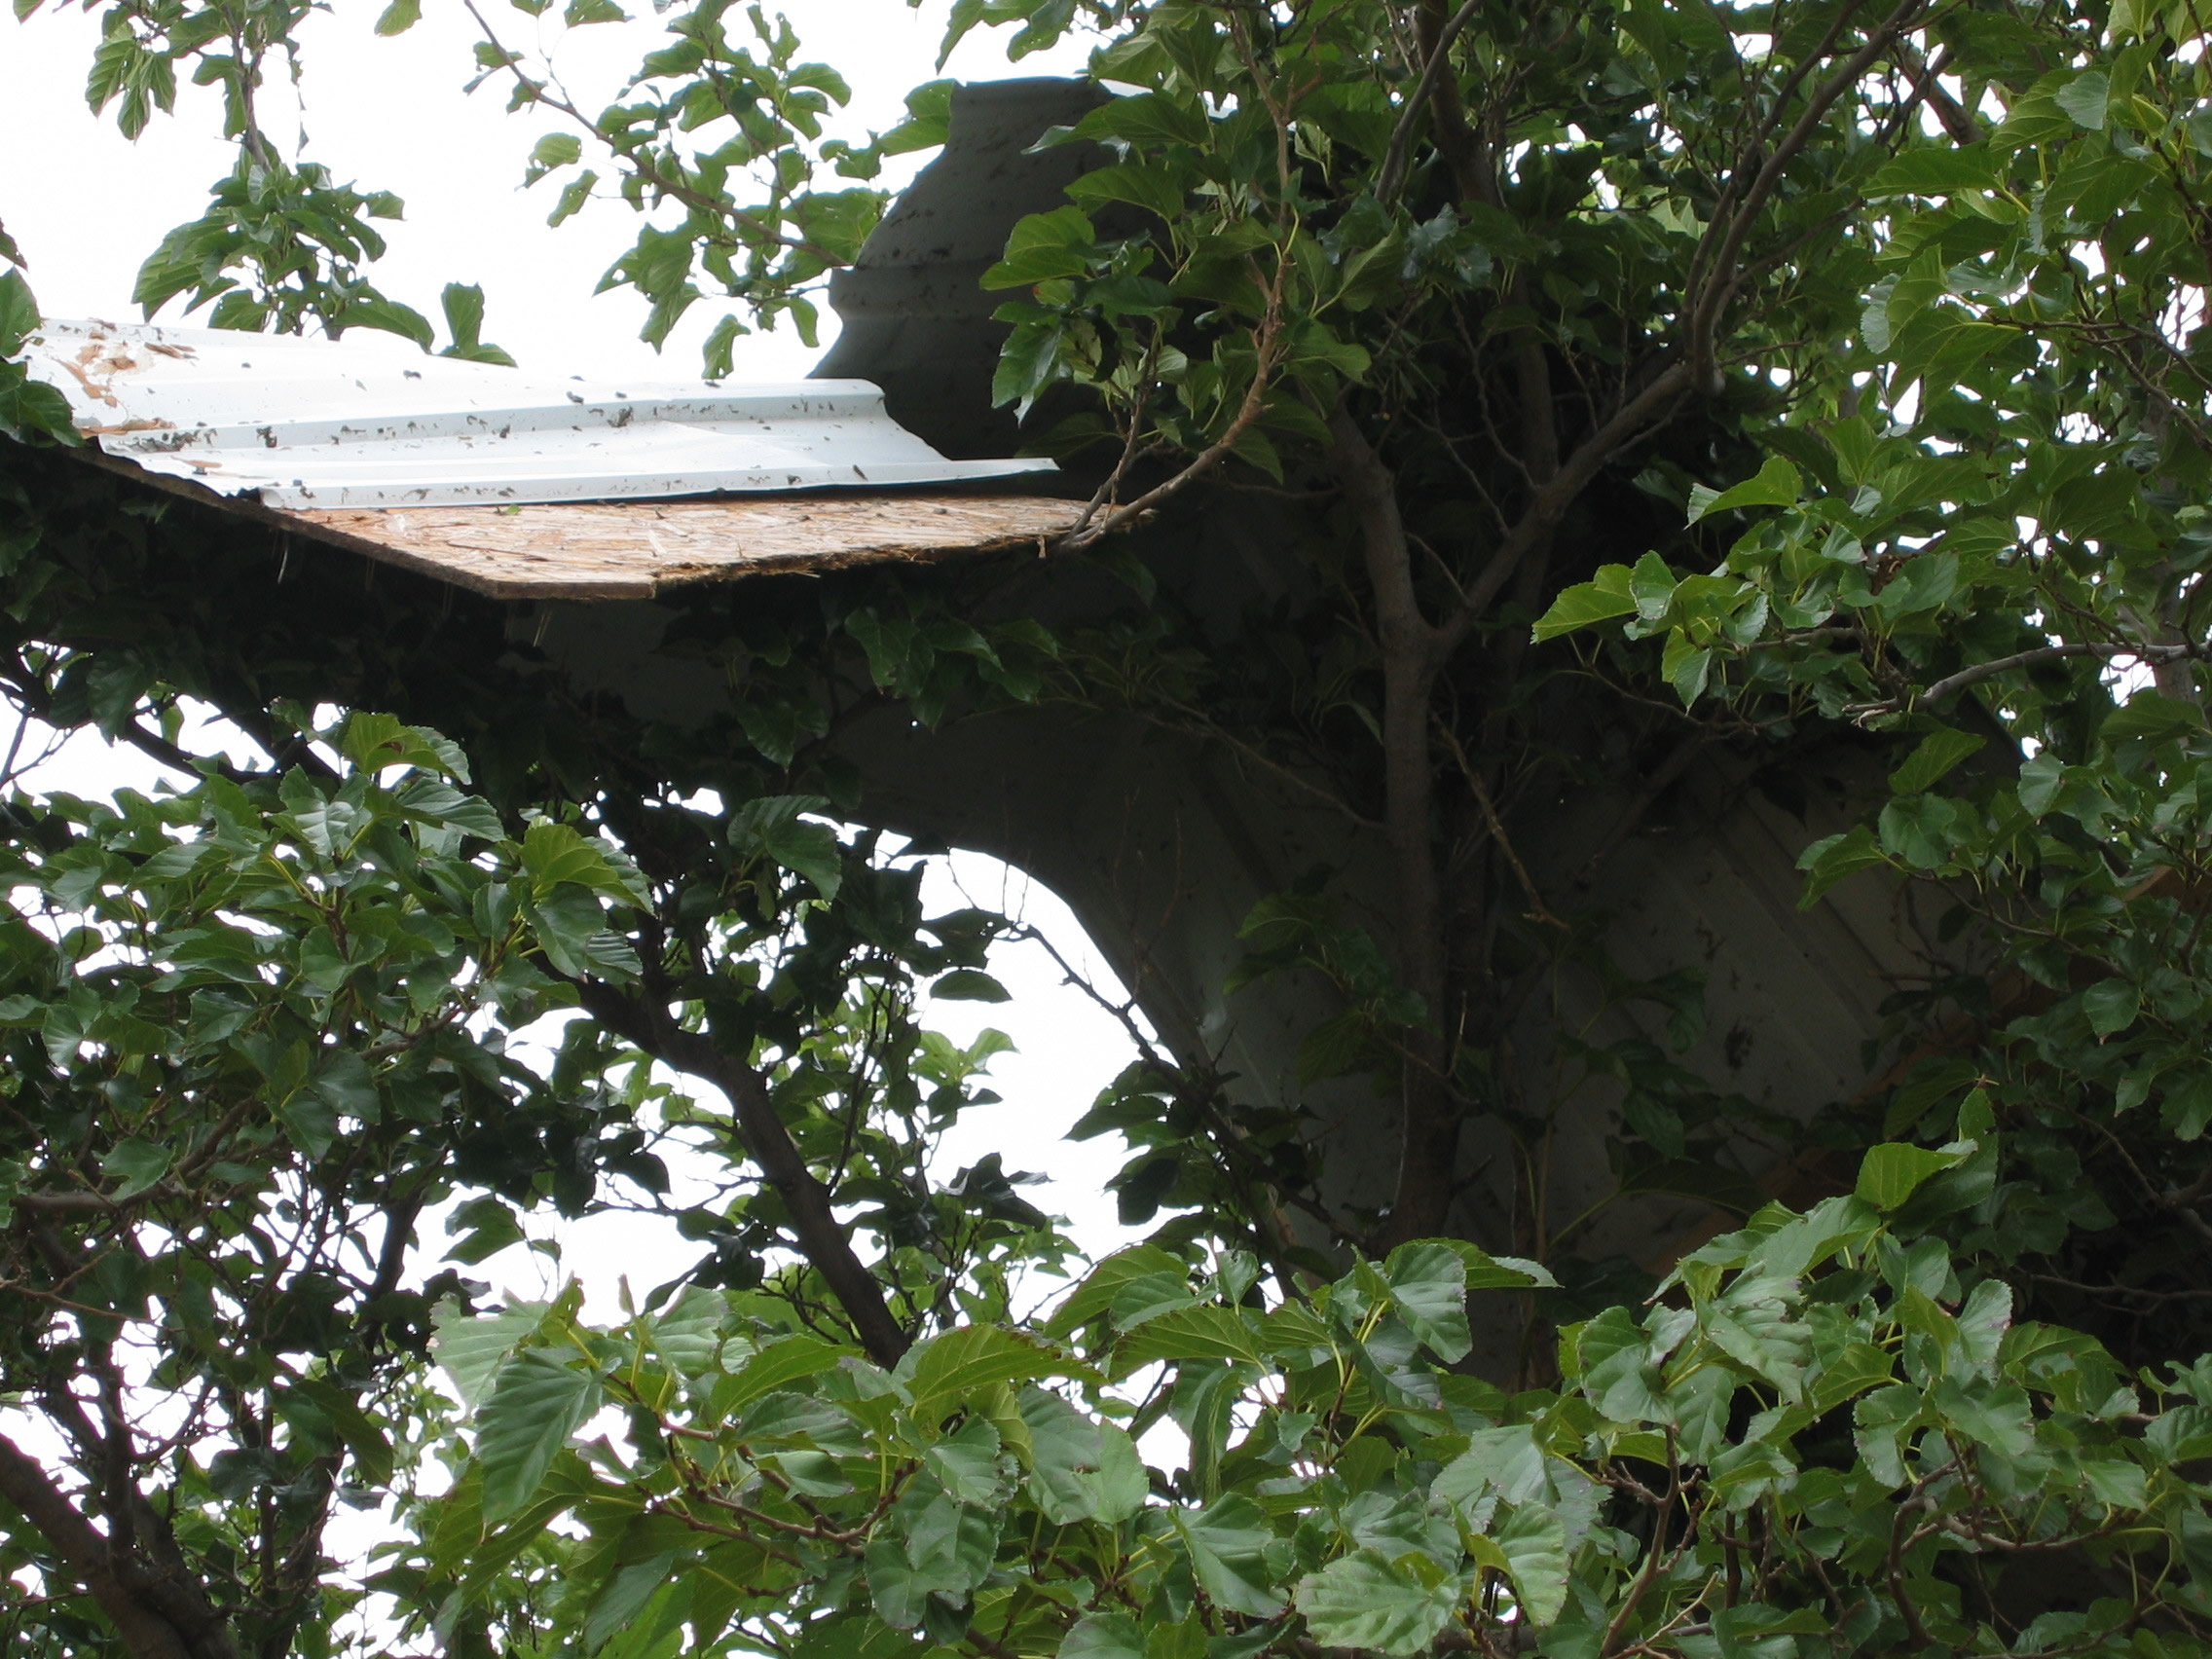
x=822, y=1238
x=1429, y=1154
x=158, y=1614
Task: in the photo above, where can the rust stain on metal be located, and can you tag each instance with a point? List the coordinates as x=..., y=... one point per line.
x=632, y=550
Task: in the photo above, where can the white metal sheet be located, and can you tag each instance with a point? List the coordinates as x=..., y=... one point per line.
x=369, y=421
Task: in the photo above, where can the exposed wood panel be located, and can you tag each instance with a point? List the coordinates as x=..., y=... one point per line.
x=635, y=549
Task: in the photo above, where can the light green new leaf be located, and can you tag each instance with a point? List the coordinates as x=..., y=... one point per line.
x=536, y=1405
x=1599, y=600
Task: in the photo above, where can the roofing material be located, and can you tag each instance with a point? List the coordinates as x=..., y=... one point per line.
x=519, y=486
x=369, y=421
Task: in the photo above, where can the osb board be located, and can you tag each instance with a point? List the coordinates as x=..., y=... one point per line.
x=634, y=549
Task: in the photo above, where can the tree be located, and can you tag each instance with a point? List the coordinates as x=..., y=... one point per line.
x=1698, y=398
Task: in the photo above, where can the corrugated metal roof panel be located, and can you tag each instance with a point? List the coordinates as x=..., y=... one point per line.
x=369, y=421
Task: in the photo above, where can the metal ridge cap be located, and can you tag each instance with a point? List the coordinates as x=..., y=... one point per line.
x=624, y=486
x=815, y=418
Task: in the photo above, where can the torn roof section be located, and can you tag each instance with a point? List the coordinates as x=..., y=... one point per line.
x=523, y=487
x=370, y=422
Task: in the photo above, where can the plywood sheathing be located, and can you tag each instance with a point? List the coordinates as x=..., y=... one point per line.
x=635, y=549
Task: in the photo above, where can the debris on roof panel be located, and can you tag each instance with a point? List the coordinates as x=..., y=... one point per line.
x=368, y=421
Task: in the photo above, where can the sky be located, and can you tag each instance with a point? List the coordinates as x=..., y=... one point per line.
x=86, y=207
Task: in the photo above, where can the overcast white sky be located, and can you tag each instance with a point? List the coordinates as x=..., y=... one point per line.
x=86, y=207
x=388, y=114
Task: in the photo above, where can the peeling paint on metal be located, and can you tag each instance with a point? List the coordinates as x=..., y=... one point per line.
x=368, y=421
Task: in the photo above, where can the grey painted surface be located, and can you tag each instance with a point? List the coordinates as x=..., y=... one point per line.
x=912, y=309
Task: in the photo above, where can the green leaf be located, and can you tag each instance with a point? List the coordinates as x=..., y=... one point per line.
x=1937, y=170
x=1505, y=1460
x=1103, y=1636
x=773, y=824
x=1485, y=1272
x=1774, y=484
x=537, y=1404
x=554, y=853
x=1158, y=189
x=1916, y=830
x=471, y=1349
x=1533, y=1541
x=1892, y=1172
x=555, y=150
x=1933, y=759
x=966, y=1462
x=488, y=1226
x=1145, y=119
x=1604, y=597
x=374, y=741
x=19, y=313
x=782, y=1362
x=136, y=1166
x=1044, y=248
x=1081, y=1469
x=1367, y=1600
x=399, y=16
x=1189, y=1333
x=1618, y=1374
x=969, y=984
x=1686, y=666
x=1428, y=1284
x=945, y=1369
x=2111, y=1006
x=1227, y=1541
x=1834, y=858
x=2086, y=98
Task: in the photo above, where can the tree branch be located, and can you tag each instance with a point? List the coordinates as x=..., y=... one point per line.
x=820, y=1236
x=1393, y=176
x=147, y=1631
x=1429, y=1147
x=1551, y=500
x=2154, y=655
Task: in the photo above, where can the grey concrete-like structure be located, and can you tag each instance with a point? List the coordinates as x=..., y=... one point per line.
x=1162, y=844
